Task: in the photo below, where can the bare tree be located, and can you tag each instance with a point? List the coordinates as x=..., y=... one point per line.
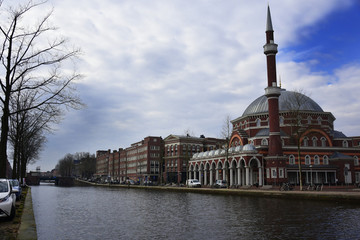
x=65, y=165
x=225, y=133
x=32, y=58
x=295, y=106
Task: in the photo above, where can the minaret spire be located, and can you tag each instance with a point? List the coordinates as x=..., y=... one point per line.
x=269, y=26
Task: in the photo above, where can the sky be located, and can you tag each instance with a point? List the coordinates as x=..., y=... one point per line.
x=161, y=67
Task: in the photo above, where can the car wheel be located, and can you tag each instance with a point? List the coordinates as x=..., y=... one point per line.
x=12, y=213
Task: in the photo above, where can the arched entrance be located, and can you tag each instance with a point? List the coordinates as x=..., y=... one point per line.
x=255, y=172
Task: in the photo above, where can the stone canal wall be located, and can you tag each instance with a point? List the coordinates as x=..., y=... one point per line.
x=339, y=194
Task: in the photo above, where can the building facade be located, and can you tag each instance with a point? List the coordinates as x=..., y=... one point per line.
x=282, y=136
x=178, y=151
x=139, y=162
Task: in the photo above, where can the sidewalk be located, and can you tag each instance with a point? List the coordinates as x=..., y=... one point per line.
x=27, y=228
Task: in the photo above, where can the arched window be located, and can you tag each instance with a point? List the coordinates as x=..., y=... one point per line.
x=172, y=150
x=326, y=160
x=319, y=120
x=356, y=161
x=323, y=141
x=316, y=160
x=306, y=141
x=314, y=141
x=309, y=120
x=345, y=143
x=307, y=160
x=281, y=120
x=292, y=159
x=264, y=141
x=258, y=122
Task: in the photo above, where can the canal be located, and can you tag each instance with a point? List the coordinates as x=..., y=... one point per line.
x=112, y=213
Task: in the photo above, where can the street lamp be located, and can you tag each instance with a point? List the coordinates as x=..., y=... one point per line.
x=311, y=182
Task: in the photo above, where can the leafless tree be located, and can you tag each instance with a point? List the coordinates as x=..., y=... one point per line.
x=225, y=133
x=32, y=60
x=294, y=106
x=66, y=165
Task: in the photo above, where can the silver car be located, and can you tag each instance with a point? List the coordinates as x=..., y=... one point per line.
x=7, y=199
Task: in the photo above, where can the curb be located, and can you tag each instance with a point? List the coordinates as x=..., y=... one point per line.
x=27, y=230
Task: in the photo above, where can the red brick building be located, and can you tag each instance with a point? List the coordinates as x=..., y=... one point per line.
x=139, y=162
x=179, y=150
x=264, y=143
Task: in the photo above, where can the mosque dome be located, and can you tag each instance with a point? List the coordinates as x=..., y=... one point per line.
x=287, y=100
x=249, y=148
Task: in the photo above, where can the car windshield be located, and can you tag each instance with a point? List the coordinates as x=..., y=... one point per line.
x=4, y=186
x=15, y=183
x=195, y=180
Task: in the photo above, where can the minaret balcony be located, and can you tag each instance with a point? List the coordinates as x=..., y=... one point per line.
x=272, y=91
x=270, y=48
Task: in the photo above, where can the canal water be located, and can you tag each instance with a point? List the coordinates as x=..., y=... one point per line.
x=112, y=213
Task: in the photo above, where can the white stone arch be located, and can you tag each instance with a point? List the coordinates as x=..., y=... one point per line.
x=255, y=172
x=241, y=172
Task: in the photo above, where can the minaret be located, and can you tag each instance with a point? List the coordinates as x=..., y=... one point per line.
x=275, y=160
x=272, y=91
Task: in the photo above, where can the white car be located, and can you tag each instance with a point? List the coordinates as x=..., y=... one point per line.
x=193, y=183
x=7, y=199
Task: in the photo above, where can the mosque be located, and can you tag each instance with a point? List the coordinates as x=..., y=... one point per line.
x=282, y=136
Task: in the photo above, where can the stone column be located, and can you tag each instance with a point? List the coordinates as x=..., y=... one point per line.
x=239, y=176
x=260, y=176
x=211, y=176
x=247, y=176
x=231, y=177
x=217, y=173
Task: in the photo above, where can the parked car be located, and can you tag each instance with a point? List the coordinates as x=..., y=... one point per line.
x=193, y=183
x=7, y=199
x=220, y=184
x=16, y=188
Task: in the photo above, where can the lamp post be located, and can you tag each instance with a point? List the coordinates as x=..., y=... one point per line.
x=311, y=182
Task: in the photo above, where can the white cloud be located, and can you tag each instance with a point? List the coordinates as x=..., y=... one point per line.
x=160, y=67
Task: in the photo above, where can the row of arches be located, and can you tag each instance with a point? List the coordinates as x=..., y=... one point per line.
x=235, y=172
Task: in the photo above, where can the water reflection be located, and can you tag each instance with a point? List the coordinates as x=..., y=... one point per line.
x=107, y=213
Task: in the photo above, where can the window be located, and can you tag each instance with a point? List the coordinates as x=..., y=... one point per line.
x=316, y=160
x=307, y=160
x=309, y=120
x=314, y=141
x=258, y=122
x=357, y=177
x=281, y=120
x=273, y=173
x=264, y=141
x=323, y=141
x=292, y=159
x=281, y=172
x=306, y=141
x=319, y=120
x=326, y=160
x=267, y=173
x=345, y=143
x=155, y=140
x=356, y=161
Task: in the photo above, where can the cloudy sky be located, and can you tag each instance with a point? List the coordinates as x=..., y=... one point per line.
x=161, y=67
